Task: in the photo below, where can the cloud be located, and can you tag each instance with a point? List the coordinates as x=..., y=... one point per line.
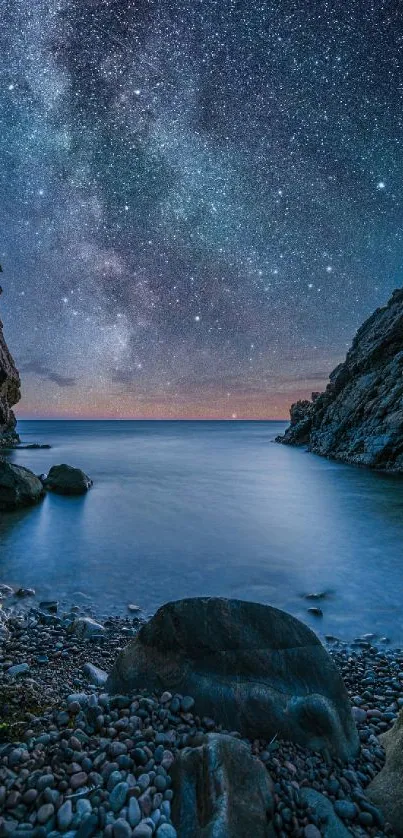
x=37, y=368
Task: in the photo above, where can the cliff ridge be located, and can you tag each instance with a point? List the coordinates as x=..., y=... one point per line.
x=359, y=417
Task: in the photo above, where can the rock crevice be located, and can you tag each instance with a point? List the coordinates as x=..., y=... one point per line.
x=359, y=417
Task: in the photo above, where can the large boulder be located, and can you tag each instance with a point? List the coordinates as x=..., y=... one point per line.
x=359, y=417
x=386, y=789
x=251, y=667
x=18, y=486
x=221, y=790
x=66, y=480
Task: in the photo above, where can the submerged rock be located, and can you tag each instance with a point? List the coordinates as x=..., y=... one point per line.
x=66, y=480
x=221, y=789
x=386, y=790
x=18, y=486
x=251, y=667
x=359, y=417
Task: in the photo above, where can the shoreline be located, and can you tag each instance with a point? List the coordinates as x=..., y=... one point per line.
x=56, y=660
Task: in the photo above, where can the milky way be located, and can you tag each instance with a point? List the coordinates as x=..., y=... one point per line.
x=200, y=200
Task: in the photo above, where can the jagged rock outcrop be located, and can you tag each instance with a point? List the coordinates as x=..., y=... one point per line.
x=359, y=417
x=9, y=393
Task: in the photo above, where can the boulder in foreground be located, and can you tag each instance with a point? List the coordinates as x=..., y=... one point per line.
x=18, y=486
x=386, y=789
x=251, y=667
x=359, y=417
x=221, y=789
x=66, y=480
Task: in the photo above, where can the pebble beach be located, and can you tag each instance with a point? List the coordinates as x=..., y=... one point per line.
x=75, y=762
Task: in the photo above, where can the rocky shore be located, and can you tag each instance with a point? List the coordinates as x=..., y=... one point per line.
x=76, y=762
x=359, y=417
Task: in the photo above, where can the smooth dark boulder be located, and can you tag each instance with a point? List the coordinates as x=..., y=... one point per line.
x=221, y=790
x=18, y=486
x=359, y=417
x=251, y=667
x=67, y=480
x=386, y=789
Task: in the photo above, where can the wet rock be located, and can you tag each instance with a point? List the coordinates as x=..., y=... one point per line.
x=18, y=486
x=66, y=480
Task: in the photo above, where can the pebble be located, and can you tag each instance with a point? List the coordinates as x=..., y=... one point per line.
x=45, y=813
x=65, y=815
x=114, y=755
x=18, y=669
x=118, y=796
x=346, y=810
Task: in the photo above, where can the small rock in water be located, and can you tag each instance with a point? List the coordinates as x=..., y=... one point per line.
x=316, y=612
x=321, y=595
x=24, y=592
x=50, y=605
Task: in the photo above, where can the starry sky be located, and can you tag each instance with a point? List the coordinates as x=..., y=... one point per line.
x=201, y=200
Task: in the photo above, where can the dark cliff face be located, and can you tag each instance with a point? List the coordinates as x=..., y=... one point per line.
x=359, y=417
x=9, y=392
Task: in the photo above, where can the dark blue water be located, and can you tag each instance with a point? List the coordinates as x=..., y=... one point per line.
x=189, y=508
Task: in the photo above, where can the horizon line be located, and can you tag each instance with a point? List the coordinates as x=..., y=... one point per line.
x=149, y=419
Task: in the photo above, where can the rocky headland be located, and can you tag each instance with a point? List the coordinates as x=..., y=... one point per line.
x=9, y=393
x=359, y=417
x=78, y=759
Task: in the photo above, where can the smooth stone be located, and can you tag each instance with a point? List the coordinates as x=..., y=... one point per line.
x=166, y=830
x=249, y=678
x=45, y=813
x=18, y=669
x=221, y=790
x=346, y=810
x=64, y=815
x=133, y=812
x=85, y=628
x=331, y=825
x=118, y=796
x=95, y=675
x=143, y=830
x=121, y=829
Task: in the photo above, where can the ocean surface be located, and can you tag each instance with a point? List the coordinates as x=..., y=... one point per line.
x=209, y=508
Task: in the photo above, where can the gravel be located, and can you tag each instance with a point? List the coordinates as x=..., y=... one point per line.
x=75, y=762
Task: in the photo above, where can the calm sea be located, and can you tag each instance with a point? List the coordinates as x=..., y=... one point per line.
x=209, y=508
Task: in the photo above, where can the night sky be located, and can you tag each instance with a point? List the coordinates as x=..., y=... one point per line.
x=201, y=200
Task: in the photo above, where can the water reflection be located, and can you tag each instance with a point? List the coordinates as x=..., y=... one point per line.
x=182, y=509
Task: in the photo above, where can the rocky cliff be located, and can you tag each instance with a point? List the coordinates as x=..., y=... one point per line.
x=9, y=393
x=359, y=417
